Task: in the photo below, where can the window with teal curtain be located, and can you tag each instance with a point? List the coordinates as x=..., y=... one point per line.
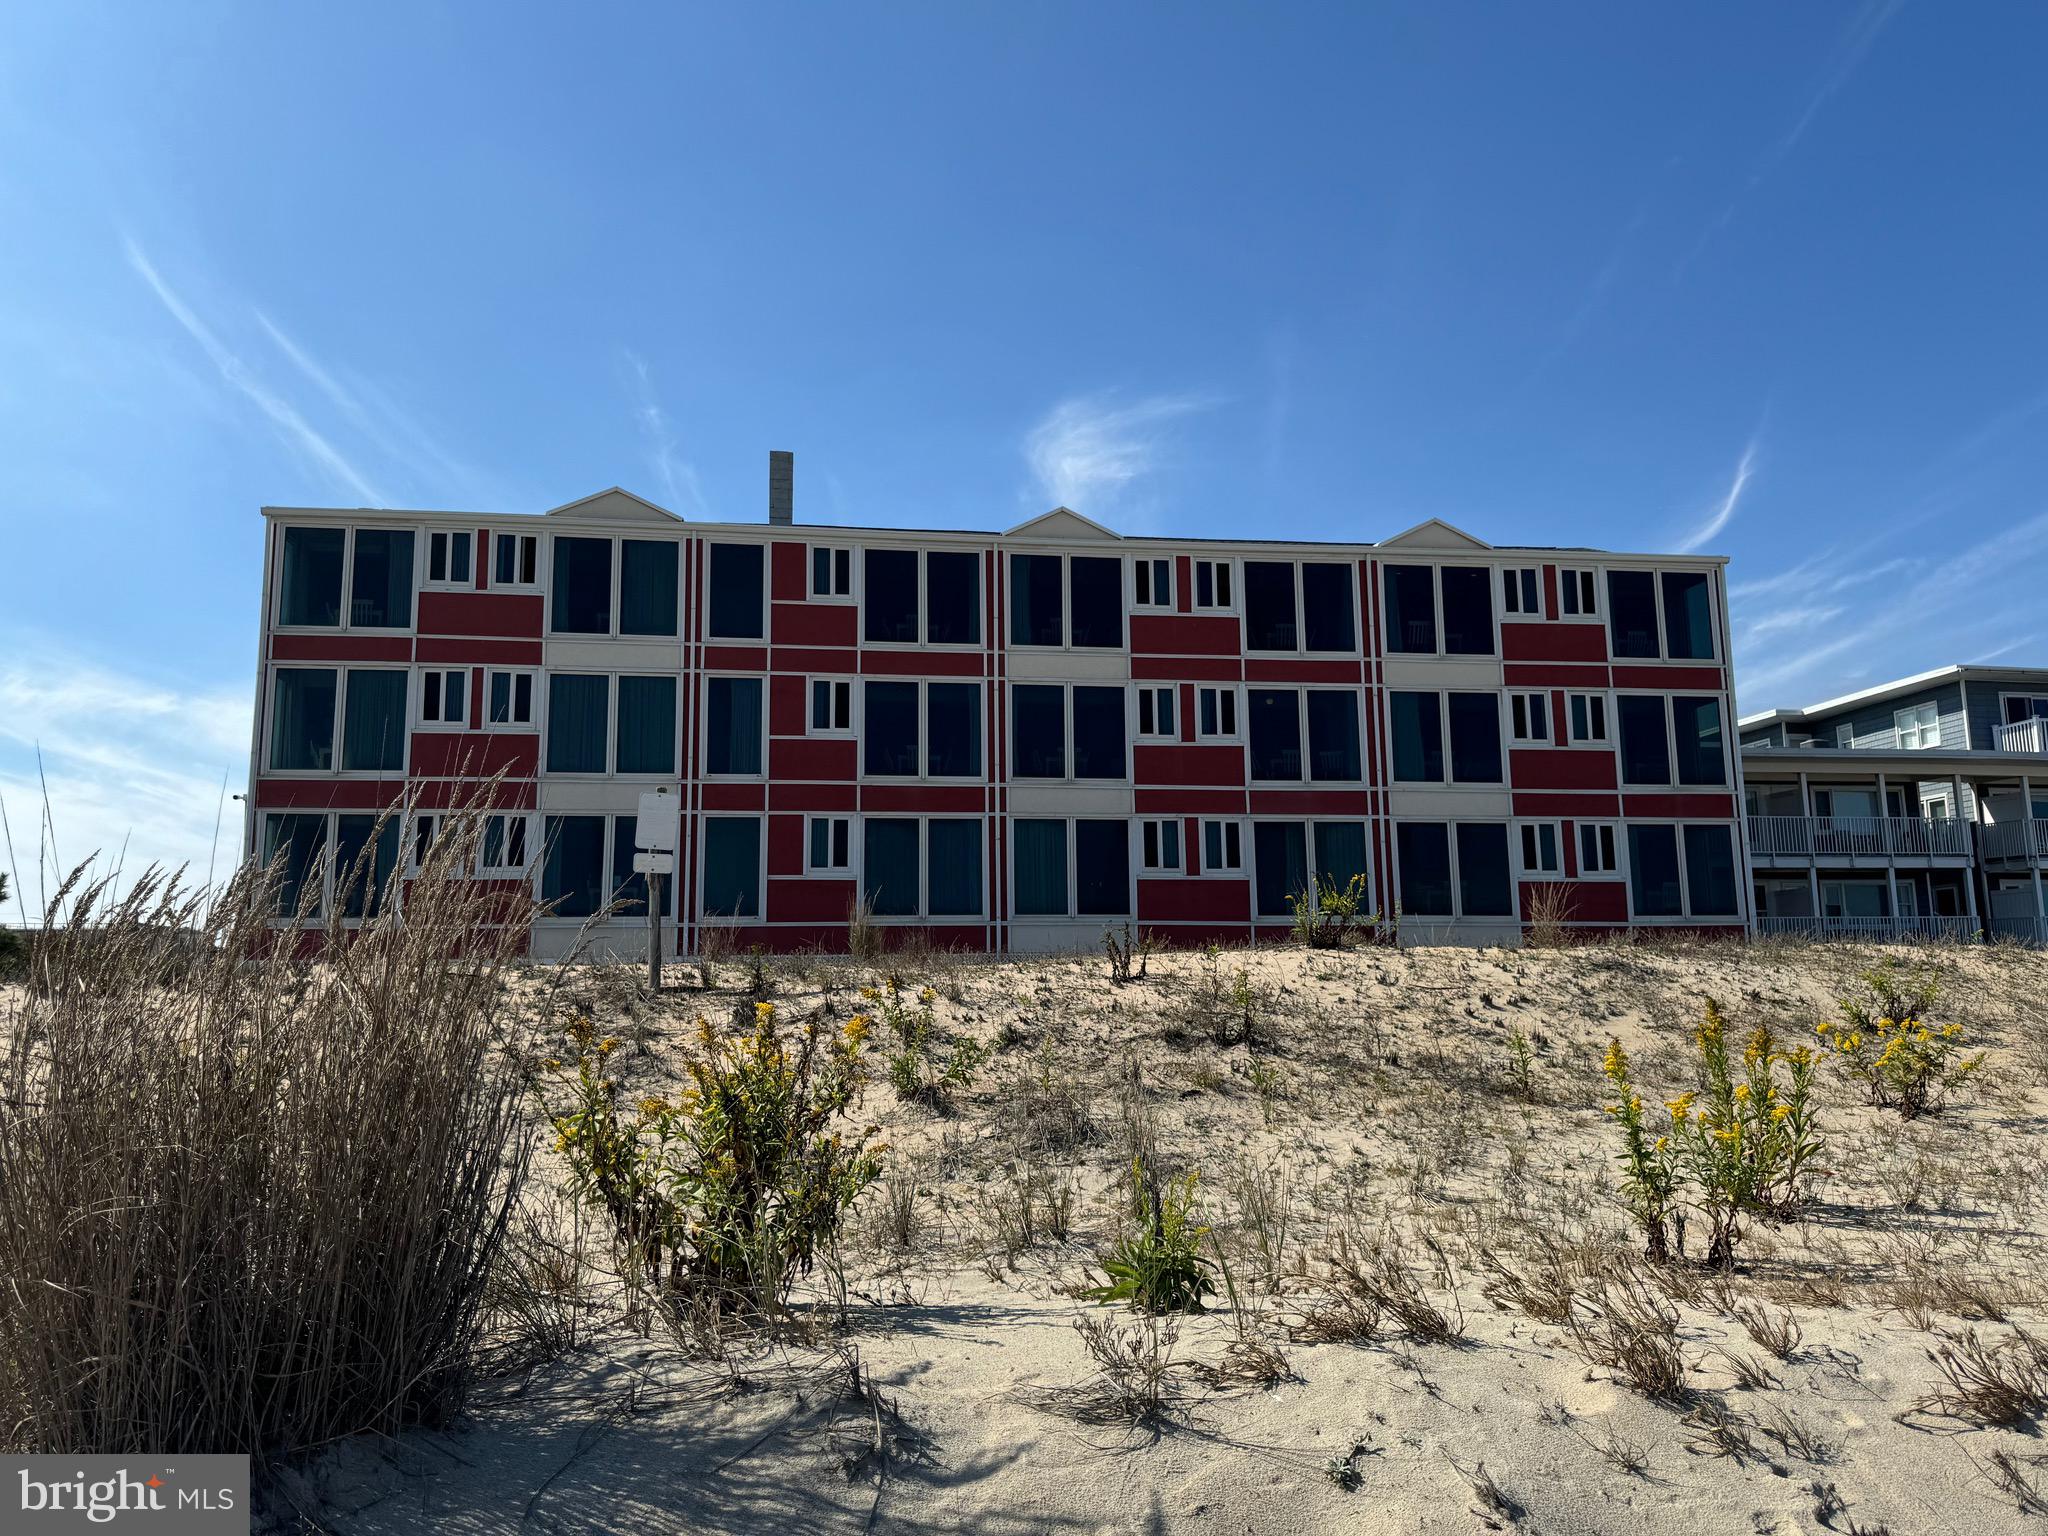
x=293, y=844
x=1340, y=852
x=953, y=862
x=302, y=719
x=380, y=586
x=572, y=872
x=1038, y=855
x=647, y=587
x=365, y=885
x=630, y=888
x=647, y=725
x=1102, y=868
x=732, y=866
x=1486, y=886
x=732, y=725
x=888, y=865
x=309, y=580
x=577, y=708
x=373, y=722
x=1280, y=851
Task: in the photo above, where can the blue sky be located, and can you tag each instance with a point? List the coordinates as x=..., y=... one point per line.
x=1762, y=280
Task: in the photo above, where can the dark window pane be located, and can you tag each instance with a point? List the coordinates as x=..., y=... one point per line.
x=373, y=728
x=732, y=866
x=889, y=605
x=1468, y=611
x=583, y=586
x=1102, y=868
x=362, y=888
x=647, y=724
x=1418, y=737
x=309, y=583
x=889, y=733
x=380, y=586
x=629, y=889
x=1653, y=871
x=1688, y=616
x=1710, y=871
x=1411, y=608
x=735, y=578
x=1098, y=600
x=1035, y=600
x=1326, y=607
x=732, y=725
x=1269, y=619
x=1424, y=849
x=952, y=598
x=1485, y=887
x=572, y=873
x=821, y=571
x=647, y=587
x=1340, y=852
x=1279, y=862
x=1475, y=738
x=1333, y=735
x=302, y=719
x=1632, y=613
x=1038, y=853
x=1696, y=731
x=1645, y=758
x=577, y=709
x=1098, y=733
x=297, y=843
x=953, y=868
x=953, y=718
x=1038, y=731
x=1275, y=725
x=889, y=865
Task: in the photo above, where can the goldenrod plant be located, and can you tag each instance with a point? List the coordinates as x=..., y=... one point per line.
x=1159, y=1266
x=1649, y=1177
x=1884, y=1041
x=1325, y=914
x=926, y=1064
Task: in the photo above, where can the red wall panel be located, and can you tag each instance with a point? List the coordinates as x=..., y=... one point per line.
x=1560, y=768
x=516, y=615
x=1553, y=642
x=1178, y=634
x=474, y=754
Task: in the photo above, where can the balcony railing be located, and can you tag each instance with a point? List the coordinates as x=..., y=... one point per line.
x=2020, y=930
x=1871, y=930
x=2022, y=838
x=1820, y=837
x=2023, y=736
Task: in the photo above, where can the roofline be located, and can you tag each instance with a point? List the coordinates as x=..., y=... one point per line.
x=1960, y=671
x=1936, y=760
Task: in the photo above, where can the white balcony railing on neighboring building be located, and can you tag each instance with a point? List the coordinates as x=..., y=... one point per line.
x=2023, y=736
x=1820, y=837
x=1872, y=930
x=2021, y=838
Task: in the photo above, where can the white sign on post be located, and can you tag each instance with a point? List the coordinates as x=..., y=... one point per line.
x=654, y=829
x=654, y=863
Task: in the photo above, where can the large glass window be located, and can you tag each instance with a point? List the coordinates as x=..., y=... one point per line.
x=582, y=586
x=302, y=719
x=1098, y=733
x=373, y=722
x=363, y=878
x=1038, y=854
x=1326, y=607
x=1485, y=886
x=889, y=731
x=889, y=604
x=1418, y=737
x=1096, y=588
x=629, y=887
x=1275, y=730
x=380, y=584
x=1280, y=862
x=1468, y=611
x=1333, y=735
x=578, y=723
x=1038, y=734
x=1035, y=614
x=1710, y=872
x=296, y=843
x=1475, y=738
x=1632, y=613
x=309, y=580
x=1653, y=871
x=952, y=597
x=572, y=872
x=1340, y=852
x=1411, y=608
x=1696, y=732
x=1424, y=851
x=953, y=725
x=647, y=586
x=1269, y=614
x=1102, y=868
x=647, y=723
x=889, y=865
x=735, y=578
x=732, y=725
x=1645, y=748
x=732, y=866
x=1688, y=616
x=953, y=867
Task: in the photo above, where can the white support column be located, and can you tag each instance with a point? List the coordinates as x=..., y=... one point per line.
x=1891, y=853
x=2040, y=913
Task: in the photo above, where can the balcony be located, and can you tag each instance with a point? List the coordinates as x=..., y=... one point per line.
x=1868, y=930
x=1857, y=837
x=2019, y=929
x=2022, y=736
x=2024, y=838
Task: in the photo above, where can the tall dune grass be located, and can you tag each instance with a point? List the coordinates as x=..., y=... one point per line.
x=252, y=1180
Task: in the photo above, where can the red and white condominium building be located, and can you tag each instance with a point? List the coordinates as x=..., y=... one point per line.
x=1012, y=740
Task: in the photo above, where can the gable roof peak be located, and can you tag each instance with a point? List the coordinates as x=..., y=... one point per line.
x=1434, y=533
x=612, y=505
x=1062, y=523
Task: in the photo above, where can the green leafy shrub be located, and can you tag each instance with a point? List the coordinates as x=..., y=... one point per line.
x=1884, y=1041
x=1325, y=915
x=1159, y=1266
x=927, y=1065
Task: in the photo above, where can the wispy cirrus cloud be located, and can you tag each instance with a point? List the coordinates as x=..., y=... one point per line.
x=681, y=490
x=1088, y=449
x=1722, y=512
